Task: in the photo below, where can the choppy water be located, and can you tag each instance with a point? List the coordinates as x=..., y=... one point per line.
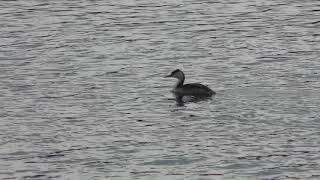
x=82, y=94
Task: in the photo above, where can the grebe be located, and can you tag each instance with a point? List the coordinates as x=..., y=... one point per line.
x=195, y=90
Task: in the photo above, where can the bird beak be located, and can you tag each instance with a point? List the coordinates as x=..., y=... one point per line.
x=167, y=76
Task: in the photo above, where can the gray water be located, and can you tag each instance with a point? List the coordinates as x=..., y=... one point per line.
x=83, y=95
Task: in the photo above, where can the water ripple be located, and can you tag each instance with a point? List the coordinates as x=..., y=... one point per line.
x=83, y=95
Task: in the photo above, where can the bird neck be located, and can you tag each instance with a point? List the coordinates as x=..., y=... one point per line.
x=180, y=83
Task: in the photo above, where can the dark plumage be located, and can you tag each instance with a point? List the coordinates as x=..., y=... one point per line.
x=196, y=90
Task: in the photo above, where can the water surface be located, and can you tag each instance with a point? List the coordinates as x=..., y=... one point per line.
x=83, y=95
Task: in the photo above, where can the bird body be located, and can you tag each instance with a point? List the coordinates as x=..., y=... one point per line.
x=195, y=90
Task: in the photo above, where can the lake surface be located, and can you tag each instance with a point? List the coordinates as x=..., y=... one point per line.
x=83, y=95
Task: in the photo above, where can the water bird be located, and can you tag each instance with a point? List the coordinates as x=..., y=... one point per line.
x=196, y=91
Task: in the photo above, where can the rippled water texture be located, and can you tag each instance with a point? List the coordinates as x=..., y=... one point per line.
x=83, y=95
